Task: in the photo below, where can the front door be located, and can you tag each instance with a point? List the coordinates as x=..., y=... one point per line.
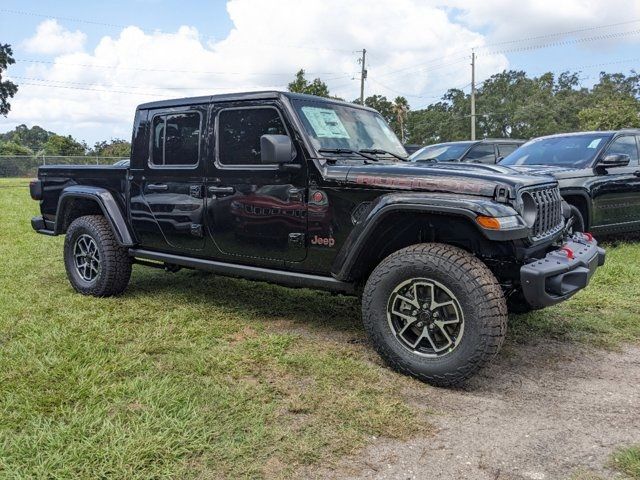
x=616, y=193
x=254, y=211
x=167, y=193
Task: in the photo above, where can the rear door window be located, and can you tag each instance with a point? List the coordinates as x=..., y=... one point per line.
x=175, y=139
x=483, y=153
x=505, y=149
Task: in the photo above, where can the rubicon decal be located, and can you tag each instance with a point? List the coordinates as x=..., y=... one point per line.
x=324, y=241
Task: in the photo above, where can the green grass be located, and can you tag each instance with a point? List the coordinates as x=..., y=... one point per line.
x=187, y=375
x=627, y=461
x=190, y=375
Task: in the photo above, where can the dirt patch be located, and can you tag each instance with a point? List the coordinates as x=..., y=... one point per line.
x=540, y=411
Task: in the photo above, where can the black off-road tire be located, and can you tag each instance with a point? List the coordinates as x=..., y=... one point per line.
x=114, y=272
x=578, y=220
x=477, y=292
x=516, y=303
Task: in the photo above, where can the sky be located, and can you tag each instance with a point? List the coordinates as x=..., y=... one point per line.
x=82, y=67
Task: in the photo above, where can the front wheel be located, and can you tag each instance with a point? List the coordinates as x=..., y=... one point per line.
x=96, y=264
x=577, y=221
x=435, y=312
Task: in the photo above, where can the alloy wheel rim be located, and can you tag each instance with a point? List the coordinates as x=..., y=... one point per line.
x=87, y=258
x=425, y=317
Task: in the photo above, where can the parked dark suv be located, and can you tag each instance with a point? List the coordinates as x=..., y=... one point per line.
x=598, y=173
x=481, y=151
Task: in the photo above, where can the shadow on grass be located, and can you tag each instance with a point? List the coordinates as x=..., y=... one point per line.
x=260, y=300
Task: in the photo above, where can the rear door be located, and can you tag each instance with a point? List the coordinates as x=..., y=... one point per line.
x=167, y=201
x=254, y=211
x=505, y=149
x=616, y=192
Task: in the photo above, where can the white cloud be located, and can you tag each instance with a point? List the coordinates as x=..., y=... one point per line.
x=52, y=39
x=415, y=50
x=508, y=20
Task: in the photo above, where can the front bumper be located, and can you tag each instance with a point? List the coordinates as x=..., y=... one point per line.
x=558, y=276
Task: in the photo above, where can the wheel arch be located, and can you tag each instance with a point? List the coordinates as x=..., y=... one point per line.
x=582, y=202
x=402, y=226
x=76, y=201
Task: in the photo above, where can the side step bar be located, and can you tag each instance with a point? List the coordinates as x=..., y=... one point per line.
x=289, y=279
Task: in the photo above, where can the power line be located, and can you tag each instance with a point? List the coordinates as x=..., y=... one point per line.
x=46, y=85
x=115, y=85
x=608, y=36
x=558, y=34
x=166, y=70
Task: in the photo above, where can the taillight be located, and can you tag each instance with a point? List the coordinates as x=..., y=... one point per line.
x=35, y=189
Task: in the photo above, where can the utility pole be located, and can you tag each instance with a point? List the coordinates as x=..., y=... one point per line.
x=363, y=74
x=473, y=95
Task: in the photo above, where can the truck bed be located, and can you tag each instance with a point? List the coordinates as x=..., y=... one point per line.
x=55, y=178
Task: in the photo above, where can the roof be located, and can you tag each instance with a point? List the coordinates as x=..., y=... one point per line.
x=634, y=131
x=260, y=95
x=482, y=140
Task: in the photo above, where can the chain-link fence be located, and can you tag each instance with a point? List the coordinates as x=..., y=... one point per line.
x=27, y=165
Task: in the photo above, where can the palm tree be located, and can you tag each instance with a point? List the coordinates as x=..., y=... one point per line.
x=401, y=110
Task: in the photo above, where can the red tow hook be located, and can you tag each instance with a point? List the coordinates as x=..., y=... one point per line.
x=589, y=236
x=568, y=251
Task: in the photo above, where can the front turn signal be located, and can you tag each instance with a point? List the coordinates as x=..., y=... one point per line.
x=491, y=223
x=498, y=223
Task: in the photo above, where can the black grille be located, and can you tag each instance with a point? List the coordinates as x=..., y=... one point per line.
x=549, y=208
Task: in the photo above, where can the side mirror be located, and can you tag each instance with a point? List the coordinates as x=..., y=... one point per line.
x=615, y=160
x=276, y=149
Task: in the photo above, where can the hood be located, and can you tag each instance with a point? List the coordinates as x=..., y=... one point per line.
x=555, y=170
x=462, y=178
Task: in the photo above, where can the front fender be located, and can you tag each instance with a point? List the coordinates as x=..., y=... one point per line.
x=466, y=207
x=107, y=203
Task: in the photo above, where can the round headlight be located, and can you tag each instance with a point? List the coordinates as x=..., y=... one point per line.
x=529, y=209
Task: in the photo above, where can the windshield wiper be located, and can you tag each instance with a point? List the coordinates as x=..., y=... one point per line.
x=378, y=151
x=349, y=151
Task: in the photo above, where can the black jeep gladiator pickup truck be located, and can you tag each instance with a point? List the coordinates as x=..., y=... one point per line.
x=312, y=192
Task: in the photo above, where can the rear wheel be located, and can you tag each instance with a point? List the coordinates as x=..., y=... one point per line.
x=435, y=312
x=95, y=263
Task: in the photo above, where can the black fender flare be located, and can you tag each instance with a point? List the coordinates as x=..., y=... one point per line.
x=582, y=193
x=461, y=207
x=107, y=203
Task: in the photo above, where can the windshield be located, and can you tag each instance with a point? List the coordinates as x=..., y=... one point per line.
x=333, y=126
x=575, y=151
x=441, y=152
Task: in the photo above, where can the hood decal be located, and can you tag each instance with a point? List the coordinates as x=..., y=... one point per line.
x=438, y=183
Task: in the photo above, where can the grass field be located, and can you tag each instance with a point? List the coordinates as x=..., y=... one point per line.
x=189, y=375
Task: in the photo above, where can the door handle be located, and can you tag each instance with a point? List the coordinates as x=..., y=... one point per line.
x=637, y=173
x=227, y=190
x=157, y=187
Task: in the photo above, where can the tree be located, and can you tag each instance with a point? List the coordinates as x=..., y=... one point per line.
x=13, y=148
x=302, y=85
x=401, y=110
x=60, y=145
x=382, y=105
x=33, y=138
x=7, y=89
x=117, y=147
x=612, y=114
